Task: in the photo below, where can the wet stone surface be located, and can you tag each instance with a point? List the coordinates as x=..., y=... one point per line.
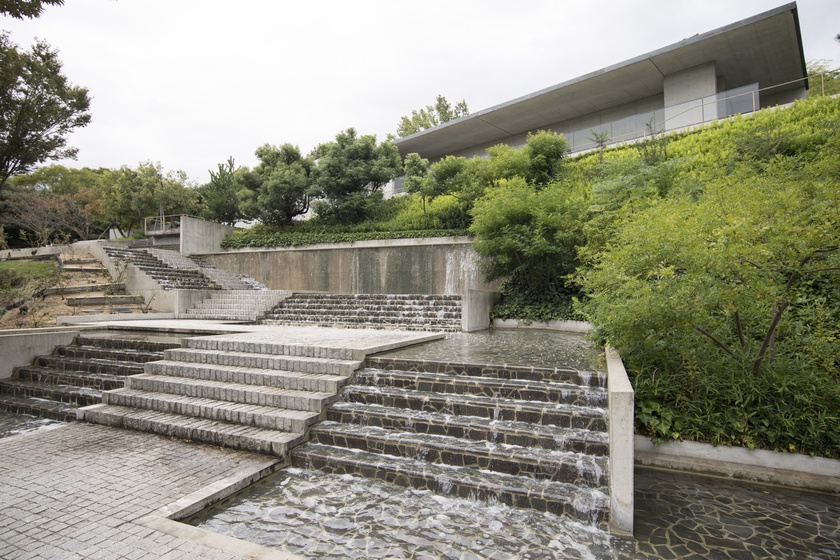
x=12, y=424
x=317, y=515
x=526, y=348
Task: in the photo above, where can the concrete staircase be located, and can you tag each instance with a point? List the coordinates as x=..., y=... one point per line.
x=236, y=305
x=56, y=385
x=375, y=311
x=224, y=279
x=229, y=392
x=528, y=437
x=167, y=276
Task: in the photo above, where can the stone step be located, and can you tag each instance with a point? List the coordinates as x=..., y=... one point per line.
x=90, y=365
x=141, y=343
x=44, y=375
x=266, y=417
x=263, y=361
x=541, y=464
x=104, y=300
x=585, y=504
x=245, y=318
x=550, y=375
x=79, y=396
x=366, y=319
x=84, y=351
x=476, y=429
x=489, y=387
x=235, y=436
x=298, y=381
x=323, y=322
x=42, y=408
x=263, y=346
x=560, y=415
x=389, y=313
x=313, y=401
x=380, y=297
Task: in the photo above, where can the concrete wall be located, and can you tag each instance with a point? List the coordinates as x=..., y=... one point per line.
x=19, y=348
x=410, y=266
x=686, y=89
x=621, y=413
x=200, y=236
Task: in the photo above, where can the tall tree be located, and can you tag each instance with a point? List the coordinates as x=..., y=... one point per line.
x=26, y=8
x=431, y=115
x=350, y=174
x=38, y=108
x=218, y=197
x=277, y=189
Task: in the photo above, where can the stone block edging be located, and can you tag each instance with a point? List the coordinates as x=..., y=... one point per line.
x=581, y=327
x=102, y=317
x=757, y=465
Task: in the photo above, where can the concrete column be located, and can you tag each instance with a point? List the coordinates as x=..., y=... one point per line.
x=684, y=92
x=621, y=413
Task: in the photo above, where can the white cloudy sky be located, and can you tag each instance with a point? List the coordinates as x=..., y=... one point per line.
x=188, y=83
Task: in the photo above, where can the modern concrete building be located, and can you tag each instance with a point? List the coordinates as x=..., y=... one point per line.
x=748, y=65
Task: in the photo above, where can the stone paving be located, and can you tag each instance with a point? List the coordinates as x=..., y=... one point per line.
x=82, y=491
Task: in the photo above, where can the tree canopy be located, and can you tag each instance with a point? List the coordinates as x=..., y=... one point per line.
x=21, y=9
x=431, y=115
x=38, y=108
x=350, y=174
x=278, y=189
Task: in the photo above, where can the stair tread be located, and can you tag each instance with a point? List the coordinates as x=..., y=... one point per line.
x=245, y=370
x=50, y=388
x=194, y=422
x=168, y=379
x=590, y=503
x=70, y=375
x=222, y=405
x=538, y=463
x=258, y=356
x=525, y=429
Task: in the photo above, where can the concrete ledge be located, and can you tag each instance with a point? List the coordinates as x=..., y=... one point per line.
x=581, y=327
x=103, y=317
x=621, y=413
x=165, y=519
x=757, y=465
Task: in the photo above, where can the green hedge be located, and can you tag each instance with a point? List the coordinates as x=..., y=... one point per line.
x=258, y=237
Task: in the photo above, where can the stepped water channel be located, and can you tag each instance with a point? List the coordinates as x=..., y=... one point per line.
x=444, y=450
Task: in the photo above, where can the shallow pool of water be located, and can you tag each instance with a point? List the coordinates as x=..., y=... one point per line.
x=13, y=424
x=510, y=347
x=319, y=515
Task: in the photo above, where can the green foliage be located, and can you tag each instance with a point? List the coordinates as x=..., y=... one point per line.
x=218, y=197
x=21, y=9
x=823, y=78
x=431, y=116
x=272, y=237
x=350, y=173
x=38, y=105
x=19, y=279
x=716, y=274
x=148, y=191
x=277, y=189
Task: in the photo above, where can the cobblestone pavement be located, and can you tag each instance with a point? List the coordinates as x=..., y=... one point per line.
x=78, y=491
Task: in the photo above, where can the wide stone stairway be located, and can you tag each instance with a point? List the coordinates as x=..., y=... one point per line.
x=376, y=311
x=227, y=391
x=75, y=375
x=525, y=436
x=167, y=276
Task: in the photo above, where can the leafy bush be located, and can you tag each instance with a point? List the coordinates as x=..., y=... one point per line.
x=259, y=237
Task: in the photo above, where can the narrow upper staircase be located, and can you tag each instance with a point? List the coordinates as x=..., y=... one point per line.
x=229, y=392
x=75, y=375
x=528, y=437
x=376, y=311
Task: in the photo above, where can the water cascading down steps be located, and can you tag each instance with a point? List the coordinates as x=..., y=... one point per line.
x=525, y=436
x=75, y=375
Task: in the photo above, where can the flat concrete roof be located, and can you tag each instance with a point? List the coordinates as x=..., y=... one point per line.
x=764, y=49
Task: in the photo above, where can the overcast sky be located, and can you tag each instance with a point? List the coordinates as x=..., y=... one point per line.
x=188, y=83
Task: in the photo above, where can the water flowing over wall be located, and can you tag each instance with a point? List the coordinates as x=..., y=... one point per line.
x=406, y=266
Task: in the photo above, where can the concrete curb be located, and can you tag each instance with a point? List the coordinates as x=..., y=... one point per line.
x=757, y=465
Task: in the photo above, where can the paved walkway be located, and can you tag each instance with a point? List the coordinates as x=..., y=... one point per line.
x=86, y=491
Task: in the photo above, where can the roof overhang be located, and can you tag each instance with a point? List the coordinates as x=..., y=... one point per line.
x=764, y=49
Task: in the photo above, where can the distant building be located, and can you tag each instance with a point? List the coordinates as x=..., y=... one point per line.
x=755, y=63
